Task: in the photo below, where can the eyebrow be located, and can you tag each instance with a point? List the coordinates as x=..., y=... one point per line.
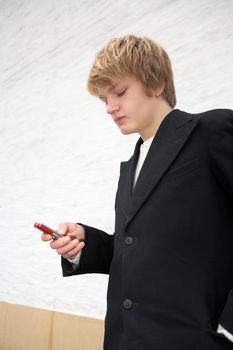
x=113, y=87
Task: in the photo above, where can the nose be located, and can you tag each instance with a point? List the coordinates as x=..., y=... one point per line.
x=112, y=107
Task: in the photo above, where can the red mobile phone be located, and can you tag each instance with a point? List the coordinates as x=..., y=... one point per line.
x=48, y=230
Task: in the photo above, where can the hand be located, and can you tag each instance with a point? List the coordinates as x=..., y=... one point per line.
x=72, y=242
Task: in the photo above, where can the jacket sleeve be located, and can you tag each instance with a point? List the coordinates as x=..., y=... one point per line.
x=96, y=256
x=221, y=153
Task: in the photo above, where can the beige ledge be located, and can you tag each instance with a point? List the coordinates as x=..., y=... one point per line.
x=28, y=328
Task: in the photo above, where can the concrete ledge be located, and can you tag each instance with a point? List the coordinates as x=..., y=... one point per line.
x=28, y=328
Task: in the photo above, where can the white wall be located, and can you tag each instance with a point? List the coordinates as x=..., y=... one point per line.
x=60, y=153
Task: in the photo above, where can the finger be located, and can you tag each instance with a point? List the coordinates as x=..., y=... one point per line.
x=45, y=237
x=63, y=228
x=59, y=243
x=71, y=254
x=72, y=248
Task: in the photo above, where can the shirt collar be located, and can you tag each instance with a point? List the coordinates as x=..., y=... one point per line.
x=146, y=144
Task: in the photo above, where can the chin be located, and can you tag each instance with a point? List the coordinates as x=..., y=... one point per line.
x=126, y=131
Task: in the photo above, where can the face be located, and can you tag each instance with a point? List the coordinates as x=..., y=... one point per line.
x=131, y=108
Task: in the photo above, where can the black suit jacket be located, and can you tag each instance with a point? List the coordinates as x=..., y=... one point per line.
x=170, y=260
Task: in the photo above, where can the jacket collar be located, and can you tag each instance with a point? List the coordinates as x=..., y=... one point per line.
x=171, y=136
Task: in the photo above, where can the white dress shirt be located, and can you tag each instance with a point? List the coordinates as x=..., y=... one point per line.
x=144, y=148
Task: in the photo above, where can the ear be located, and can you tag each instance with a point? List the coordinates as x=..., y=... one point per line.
x=159, y=90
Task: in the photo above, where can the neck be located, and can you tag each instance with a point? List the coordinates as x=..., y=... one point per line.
x=161, y=112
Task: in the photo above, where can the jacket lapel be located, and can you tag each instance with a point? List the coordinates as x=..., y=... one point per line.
x=171, y=136
x=127, y=179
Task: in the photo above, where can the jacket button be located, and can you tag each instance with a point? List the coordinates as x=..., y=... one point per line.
x=128, y=240
x=127, y=304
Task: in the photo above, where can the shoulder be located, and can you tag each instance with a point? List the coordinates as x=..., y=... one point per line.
x=215, y=115
x=215, y=119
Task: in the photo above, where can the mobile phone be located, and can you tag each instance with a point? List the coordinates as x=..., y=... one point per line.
x=48, y=230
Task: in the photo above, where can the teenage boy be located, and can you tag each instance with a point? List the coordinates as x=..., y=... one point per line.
x=170, y=259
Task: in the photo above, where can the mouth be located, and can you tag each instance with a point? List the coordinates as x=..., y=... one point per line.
x=119, y=120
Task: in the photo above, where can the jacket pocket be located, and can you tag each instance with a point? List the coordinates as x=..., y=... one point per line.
x=185, y=167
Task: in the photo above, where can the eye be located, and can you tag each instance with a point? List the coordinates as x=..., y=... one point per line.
x=121, y=92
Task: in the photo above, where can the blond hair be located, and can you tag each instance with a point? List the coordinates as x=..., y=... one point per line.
x=137, y=56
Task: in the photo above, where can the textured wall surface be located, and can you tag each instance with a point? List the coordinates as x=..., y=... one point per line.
x=59, y=152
